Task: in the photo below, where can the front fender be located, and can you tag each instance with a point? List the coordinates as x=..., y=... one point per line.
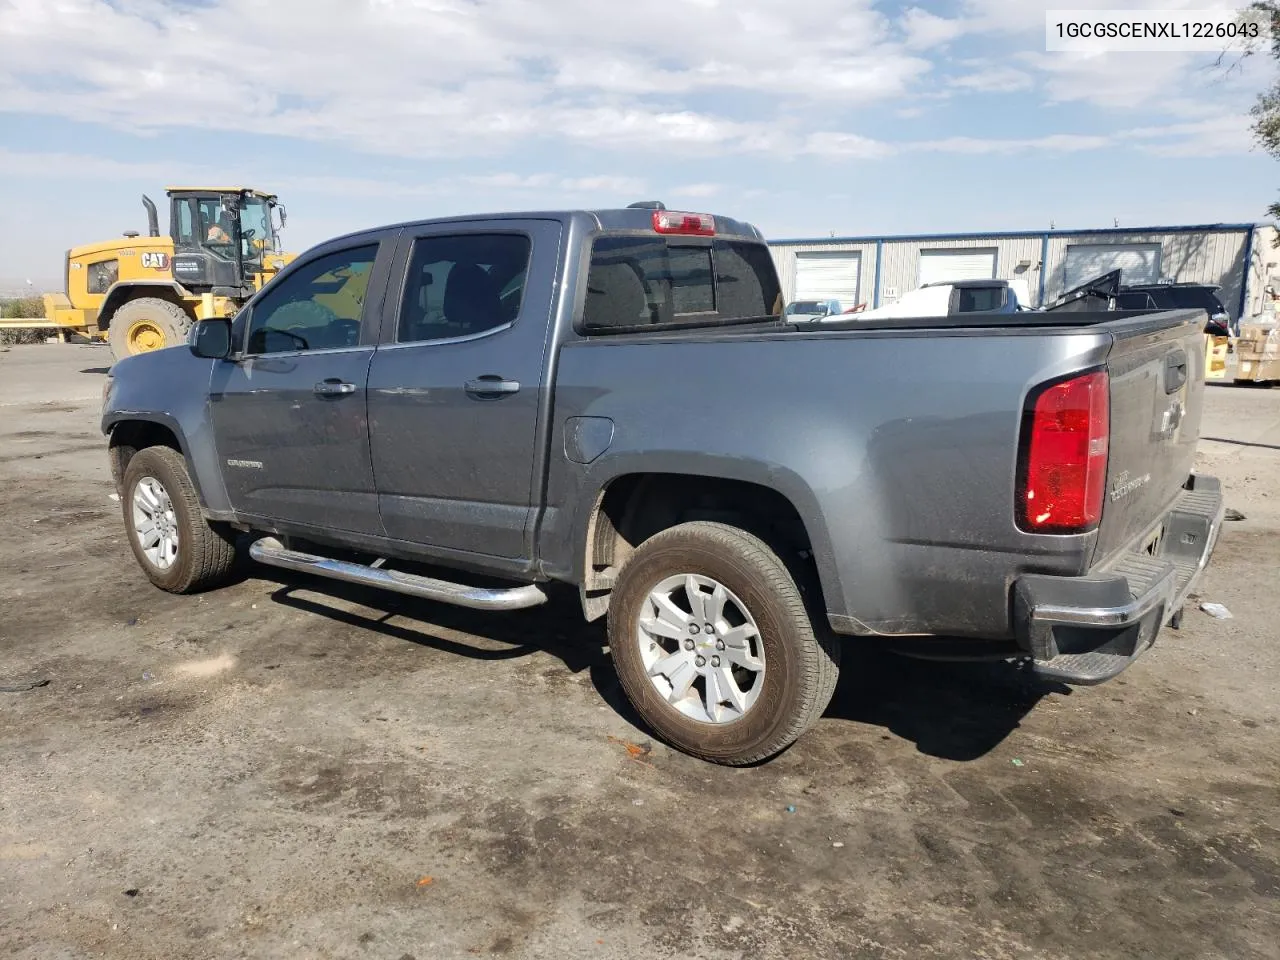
x=170, y=389
x=123, y=290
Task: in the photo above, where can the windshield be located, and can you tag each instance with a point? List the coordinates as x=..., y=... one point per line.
x=807, y=306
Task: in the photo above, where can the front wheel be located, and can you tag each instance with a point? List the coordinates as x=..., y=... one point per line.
x=176, y=547
x=715, y=647
x=145, y=324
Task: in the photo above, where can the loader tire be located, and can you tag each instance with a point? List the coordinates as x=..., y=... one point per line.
x=146, y=324
x=178, y=549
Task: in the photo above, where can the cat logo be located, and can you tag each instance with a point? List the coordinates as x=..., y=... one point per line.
x=152, y=260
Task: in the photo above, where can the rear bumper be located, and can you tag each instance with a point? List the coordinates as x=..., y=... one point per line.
x=1086, y=630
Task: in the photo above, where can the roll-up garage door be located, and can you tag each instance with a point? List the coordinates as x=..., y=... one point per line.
x=942, y=265
x=828, y=276
x=1138, y=262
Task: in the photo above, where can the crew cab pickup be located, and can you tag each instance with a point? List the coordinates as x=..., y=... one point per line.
x=614, y=400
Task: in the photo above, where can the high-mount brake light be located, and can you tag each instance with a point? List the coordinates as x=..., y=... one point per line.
x=688, y=224
x=1064, y=468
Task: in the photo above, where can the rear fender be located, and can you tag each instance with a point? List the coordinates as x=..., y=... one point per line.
x=684, y=463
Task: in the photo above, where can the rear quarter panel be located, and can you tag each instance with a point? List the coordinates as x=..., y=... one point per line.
x=898, y=450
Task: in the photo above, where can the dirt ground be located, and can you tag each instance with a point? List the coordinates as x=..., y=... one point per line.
x=287, y=768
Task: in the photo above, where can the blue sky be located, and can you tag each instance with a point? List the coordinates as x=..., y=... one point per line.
x=806, y=117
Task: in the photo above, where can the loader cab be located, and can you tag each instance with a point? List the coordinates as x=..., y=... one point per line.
x=222, y=238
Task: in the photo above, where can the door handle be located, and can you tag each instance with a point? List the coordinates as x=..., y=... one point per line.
x=334, y=388
x=491, y=386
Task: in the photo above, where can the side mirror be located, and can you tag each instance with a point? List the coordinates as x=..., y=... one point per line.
x=212, y=339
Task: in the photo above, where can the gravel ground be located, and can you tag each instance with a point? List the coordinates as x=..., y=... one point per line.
x=290, y=768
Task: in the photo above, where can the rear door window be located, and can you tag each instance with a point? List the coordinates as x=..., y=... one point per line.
x=463, y=286
x=646, y=281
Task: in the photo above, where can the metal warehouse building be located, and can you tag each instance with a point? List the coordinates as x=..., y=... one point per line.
x=1239, y=257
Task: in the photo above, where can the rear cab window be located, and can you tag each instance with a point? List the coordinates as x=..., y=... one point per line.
x=805, y=306
x=638, y=282
x=980, y=299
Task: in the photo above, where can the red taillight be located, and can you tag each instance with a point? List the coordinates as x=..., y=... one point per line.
x=1065, y=470
x=690, y=224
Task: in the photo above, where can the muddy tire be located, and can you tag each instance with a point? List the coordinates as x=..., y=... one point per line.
x=146, y=324
x=177, y=548
x=714, y=644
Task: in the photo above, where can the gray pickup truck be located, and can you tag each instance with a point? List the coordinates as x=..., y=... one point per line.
x=614, y=400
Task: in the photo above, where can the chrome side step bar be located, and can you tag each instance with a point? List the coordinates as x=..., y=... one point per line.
x=272, y=552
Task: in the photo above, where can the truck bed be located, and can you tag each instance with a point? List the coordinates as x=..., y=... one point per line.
x=900, y=459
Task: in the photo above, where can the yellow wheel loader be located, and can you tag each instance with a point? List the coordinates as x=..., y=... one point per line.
x=144, y=293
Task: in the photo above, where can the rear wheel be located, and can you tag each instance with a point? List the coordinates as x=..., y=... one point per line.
x=177, y=548
x=146, y=324
x=715, y=647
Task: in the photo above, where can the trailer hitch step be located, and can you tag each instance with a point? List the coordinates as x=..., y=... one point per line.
x=272, y=552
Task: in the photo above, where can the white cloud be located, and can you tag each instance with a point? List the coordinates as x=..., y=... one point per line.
x=847, y=145
x=994, y=79
x=56, y=166
x=448, y=78
x=1011, y=16
x=1113, y=81
x=612, y=186
x=1117, y=81
x=508, y=181
x=844, y=146
x=1017, y=16
x=485, y=80
x=1212, y=137
x=924, y=30
x=1054, y=143
x=697, y=190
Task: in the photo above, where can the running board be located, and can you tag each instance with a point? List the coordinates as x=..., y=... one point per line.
x=272, y=552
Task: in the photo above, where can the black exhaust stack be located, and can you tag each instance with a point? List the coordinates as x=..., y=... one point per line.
x=153, y=218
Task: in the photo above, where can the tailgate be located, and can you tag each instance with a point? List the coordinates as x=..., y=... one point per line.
x=1156, y=366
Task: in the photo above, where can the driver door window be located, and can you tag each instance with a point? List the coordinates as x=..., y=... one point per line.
x=186, y=228
x=216, y=228
x=316, y=307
